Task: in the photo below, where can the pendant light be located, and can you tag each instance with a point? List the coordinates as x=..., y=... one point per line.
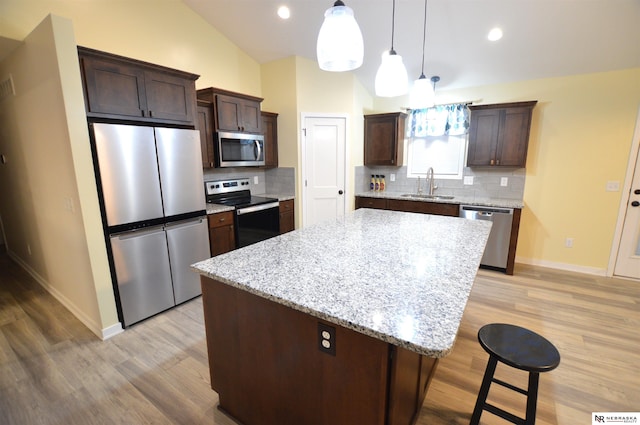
x=391, y=78
x=339, y=47
x=422, y=93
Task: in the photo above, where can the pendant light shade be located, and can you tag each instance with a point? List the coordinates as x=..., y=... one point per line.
x=391, y=78
x=340, y=46
x=422, y=94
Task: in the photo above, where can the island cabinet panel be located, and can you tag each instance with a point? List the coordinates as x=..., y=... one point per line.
x=384, y=139
x=424, y=207
x=267, y=367
x=121, y=88
x=221, y=233
x=287, y=216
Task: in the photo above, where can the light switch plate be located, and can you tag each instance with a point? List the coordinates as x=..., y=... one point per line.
x=504, y=181
x=255, y=179
x=468, y=180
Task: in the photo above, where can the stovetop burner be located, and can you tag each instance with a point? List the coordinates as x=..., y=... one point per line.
x=233, y=193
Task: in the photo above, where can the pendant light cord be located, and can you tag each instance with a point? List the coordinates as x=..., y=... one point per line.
x=393, y=22
x=424, y=38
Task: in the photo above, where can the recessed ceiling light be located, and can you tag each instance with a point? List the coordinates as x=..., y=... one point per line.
x=284, y=12
x=495, y=34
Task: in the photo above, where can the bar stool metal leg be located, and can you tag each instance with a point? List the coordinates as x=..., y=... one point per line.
x=484, y=391
x=532, y=398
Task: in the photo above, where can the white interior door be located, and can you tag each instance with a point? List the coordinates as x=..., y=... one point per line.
x=628, y=259
x=323, y=171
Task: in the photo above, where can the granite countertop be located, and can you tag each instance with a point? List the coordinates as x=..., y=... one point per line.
x=462, y=200
x=403, y=278
x=217, y=208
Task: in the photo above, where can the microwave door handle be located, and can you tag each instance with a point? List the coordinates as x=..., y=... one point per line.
x=258, y=149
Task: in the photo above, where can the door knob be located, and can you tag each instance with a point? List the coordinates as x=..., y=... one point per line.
x=635, y=204
x=340, y=192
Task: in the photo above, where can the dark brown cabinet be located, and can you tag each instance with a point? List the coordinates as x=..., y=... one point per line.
x=380, y=204
x=384, y=139
x=221, y=233
x=499, y=134
x=233, y=111
x=287, y=217
x=116, y=87
x=205, y=114
x=270, y=131
x=435, y=208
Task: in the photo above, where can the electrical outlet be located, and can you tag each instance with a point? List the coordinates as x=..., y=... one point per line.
x=327, y=339
x=568, y=243
x=504, y=181
x=392, y=177
x=468, y=180
x=613, y=186
x=255, y=179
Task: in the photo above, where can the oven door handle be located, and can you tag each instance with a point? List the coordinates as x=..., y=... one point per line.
x=261, y=207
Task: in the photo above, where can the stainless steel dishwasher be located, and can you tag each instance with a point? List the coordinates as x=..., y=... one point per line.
x=497, y=249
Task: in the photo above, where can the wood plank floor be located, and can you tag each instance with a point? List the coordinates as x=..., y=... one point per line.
x=55, y=371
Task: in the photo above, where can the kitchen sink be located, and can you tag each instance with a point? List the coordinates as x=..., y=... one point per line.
x=425, y=196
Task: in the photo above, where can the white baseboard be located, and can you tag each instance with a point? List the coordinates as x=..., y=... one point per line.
x=562, y=266
x=79, y=314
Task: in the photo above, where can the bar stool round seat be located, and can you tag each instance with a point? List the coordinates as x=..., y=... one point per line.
x=519, y=348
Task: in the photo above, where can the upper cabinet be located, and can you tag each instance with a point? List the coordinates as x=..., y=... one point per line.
x=120, y=88
x=384, y=139
x=205, y=123
x=270, y=129
x=499, y=134
x=233, y=111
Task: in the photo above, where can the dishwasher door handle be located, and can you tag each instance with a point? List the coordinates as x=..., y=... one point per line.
x=485, y=214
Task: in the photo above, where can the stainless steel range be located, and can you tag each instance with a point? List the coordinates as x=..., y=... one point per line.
x=256, y=218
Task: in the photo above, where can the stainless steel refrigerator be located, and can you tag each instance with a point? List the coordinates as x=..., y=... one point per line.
x=154, y=213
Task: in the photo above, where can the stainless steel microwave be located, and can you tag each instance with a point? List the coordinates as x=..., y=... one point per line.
x=239, y=149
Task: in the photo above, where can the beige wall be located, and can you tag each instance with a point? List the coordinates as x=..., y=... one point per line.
x=581, y=137
x=44, y=209
x=165, y=32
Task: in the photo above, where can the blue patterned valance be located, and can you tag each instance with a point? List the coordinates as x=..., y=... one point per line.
x=452, y=120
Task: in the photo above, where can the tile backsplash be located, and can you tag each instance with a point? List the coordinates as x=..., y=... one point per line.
x=486, y=182
x=277, y=181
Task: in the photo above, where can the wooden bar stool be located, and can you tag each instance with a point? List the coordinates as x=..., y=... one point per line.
x=520, y=348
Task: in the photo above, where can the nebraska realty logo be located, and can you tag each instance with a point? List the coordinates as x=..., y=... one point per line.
x=615, y=418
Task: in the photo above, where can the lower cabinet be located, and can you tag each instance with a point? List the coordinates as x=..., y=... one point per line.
x=437, y=208
x=287, y=217
x=408, y=206
x=222, y=236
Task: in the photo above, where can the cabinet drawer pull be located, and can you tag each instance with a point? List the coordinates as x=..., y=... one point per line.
x=221, y=220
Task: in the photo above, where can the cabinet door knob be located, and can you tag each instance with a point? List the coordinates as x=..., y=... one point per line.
x=635, y=204
x=637, y=191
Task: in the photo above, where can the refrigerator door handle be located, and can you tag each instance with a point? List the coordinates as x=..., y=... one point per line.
x=185, y=223
x=138, y=232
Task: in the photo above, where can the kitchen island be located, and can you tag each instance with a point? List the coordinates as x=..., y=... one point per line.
x=339, y=323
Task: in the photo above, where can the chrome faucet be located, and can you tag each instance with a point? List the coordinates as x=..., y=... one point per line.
x=432, y=186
